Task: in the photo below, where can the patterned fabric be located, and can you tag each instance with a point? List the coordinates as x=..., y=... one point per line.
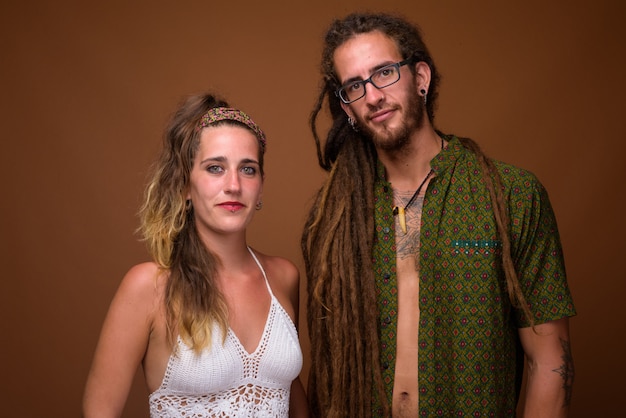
x=469, y=354
x=217, y=114
x=227, y=381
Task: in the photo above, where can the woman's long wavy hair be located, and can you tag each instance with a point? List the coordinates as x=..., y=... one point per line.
x=193, y=301
x=338, y=236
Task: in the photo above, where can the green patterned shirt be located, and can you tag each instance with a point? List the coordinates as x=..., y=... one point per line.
x=469, y=354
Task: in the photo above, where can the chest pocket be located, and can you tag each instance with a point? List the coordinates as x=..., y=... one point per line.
x=483, y=248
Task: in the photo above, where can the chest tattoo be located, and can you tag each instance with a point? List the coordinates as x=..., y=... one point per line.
x=407, y=244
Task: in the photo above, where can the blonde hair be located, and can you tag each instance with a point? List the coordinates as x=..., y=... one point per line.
x=193, y=301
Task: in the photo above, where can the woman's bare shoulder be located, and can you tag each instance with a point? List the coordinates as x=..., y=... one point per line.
x=284, y=279
x=279, y=268
x=142, y=280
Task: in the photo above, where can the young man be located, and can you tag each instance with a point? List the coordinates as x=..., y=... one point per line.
x=432, y=269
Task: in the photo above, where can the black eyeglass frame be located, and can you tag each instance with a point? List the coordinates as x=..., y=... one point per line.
x=397, y=65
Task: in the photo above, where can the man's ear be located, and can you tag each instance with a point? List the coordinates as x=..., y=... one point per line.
x=422, y=76
x=346, y=108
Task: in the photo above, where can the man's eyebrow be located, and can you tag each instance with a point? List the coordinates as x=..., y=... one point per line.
x=371, y=71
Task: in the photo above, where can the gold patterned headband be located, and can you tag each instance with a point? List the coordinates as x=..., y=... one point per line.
x=217, y=114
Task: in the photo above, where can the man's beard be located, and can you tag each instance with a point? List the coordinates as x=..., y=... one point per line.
x=393, y=140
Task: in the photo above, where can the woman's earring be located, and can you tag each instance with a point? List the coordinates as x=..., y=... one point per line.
x=352, y=123
x=259, y=205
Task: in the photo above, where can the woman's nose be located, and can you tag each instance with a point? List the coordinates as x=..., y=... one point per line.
x=233, y=183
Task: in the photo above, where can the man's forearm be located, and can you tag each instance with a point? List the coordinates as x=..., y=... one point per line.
x=549, y=387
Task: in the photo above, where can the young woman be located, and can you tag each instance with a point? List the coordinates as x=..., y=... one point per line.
x=212, y=321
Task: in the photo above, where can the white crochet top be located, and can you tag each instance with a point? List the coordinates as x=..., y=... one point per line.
x=227, y=381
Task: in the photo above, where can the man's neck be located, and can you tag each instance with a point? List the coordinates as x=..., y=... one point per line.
x=405, y=168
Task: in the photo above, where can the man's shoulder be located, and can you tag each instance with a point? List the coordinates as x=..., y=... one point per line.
x=512, y=175
x=512, y=171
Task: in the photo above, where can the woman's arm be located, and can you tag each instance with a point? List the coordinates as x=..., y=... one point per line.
x=550, y=369
x=298, y=405
x=285, y=283
x=122, y=344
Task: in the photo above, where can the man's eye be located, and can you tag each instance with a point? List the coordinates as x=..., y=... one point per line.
x=386, y=72
x=355, y=86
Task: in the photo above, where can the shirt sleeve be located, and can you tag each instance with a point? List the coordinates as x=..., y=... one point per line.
x=536, y=249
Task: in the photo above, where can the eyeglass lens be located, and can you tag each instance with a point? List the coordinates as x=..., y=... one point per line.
x=381, y=78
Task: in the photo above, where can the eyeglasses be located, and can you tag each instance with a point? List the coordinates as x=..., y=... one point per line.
x=381, y=78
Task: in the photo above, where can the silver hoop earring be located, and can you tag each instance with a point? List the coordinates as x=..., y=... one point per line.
x=259, y=205
x=352, y=123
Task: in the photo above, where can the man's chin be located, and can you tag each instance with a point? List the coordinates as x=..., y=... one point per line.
x=386, y=138
x=390, y=143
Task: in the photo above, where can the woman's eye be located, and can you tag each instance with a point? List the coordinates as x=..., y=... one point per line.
x=249, y=170
x=214, y=169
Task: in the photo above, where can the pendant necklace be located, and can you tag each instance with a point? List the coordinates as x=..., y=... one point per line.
x=400, y=211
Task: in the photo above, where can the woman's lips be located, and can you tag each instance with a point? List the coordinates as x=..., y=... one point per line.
x=232, y=206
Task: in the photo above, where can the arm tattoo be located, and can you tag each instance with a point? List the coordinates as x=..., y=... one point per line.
x=566, y=371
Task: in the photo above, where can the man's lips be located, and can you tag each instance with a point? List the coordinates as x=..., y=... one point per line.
x=381, y=115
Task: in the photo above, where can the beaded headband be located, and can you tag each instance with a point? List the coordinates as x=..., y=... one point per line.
x=217, y=114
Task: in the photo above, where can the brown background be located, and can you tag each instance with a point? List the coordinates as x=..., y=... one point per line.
x=87, y=87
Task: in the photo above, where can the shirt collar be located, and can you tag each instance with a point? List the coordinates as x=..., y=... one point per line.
x=446, y=158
